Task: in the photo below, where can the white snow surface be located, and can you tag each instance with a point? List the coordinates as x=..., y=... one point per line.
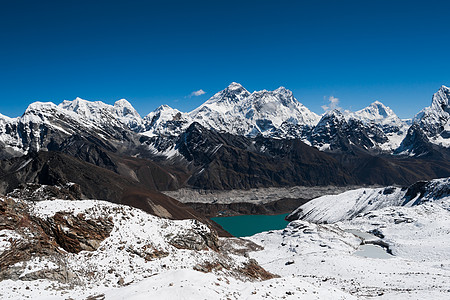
x=345, y=206
x=237, y=111
x=102, y=114
x=417, y=236
x=378, y=113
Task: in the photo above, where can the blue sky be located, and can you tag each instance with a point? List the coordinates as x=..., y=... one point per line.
x=159, y=52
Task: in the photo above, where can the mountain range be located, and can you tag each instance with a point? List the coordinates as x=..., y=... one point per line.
x=236, y=139
x=272, y=114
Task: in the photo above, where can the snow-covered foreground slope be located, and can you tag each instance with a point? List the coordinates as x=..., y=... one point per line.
x=182, y=284
x=412, y=241
x=143, y=257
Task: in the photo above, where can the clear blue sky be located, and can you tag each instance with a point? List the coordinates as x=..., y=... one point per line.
x=159, y=52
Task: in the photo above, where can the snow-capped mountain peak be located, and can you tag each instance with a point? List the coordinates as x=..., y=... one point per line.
x=39, y=106
x=440, y=100
x=376, y=112
x=101, y=114
x=225, y=99
x=235, y=86
x=264, y=112
x=123, y=107
x=163, y=113
x=437, y=114
x=165, y=120
x=87, y=109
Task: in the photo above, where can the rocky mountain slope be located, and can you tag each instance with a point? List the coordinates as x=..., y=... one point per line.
x=430, y=129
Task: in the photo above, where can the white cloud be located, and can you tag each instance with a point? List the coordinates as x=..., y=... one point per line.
x=197, y=93
x=333, y=104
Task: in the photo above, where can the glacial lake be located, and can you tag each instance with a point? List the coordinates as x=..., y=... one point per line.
x=251, y=224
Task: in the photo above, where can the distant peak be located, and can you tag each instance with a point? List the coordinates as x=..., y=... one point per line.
x=444, y=88
x=281, y=89
x=40, y=106
x=334, y=113
x=122, y=103
x=378, y=103
x=235, y=86
x=163, y=107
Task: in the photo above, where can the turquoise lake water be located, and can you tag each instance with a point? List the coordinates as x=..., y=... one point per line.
x=251, y=224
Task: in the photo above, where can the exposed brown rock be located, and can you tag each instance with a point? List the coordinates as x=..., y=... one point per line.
x=197, y=239
x=38, y=237
x=75, y=233
x=255, y=271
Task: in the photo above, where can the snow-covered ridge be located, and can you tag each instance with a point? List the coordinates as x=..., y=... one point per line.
x=237, y=111
x=275, y=114
x=345, y=206
x=435, y=119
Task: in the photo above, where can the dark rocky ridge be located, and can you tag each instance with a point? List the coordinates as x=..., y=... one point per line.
x=225, y=161
x=58, y=169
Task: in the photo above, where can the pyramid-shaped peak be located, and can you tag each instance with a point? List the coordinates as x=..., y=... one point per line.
x=234, y=86
x=284, y=91
x=441, y=98
x=379, y=108
x=332, y=114
x=378, y=103
x=163, y=107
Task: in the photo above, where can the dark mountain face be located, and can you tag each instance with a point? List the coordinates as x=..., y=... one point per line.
x=226, y=161
x=334, y=133
x=217, y=160
x=58, y=169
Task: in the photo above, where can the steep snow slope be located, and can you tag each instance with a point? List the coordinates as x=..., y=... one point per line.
x=379, y=113
x=334, y=208
x=234, y=110
x=434, y=120
x=44, y=124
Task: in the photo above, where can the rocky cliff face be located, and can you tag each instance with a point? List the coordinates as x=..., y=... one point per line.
x=430, y=127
